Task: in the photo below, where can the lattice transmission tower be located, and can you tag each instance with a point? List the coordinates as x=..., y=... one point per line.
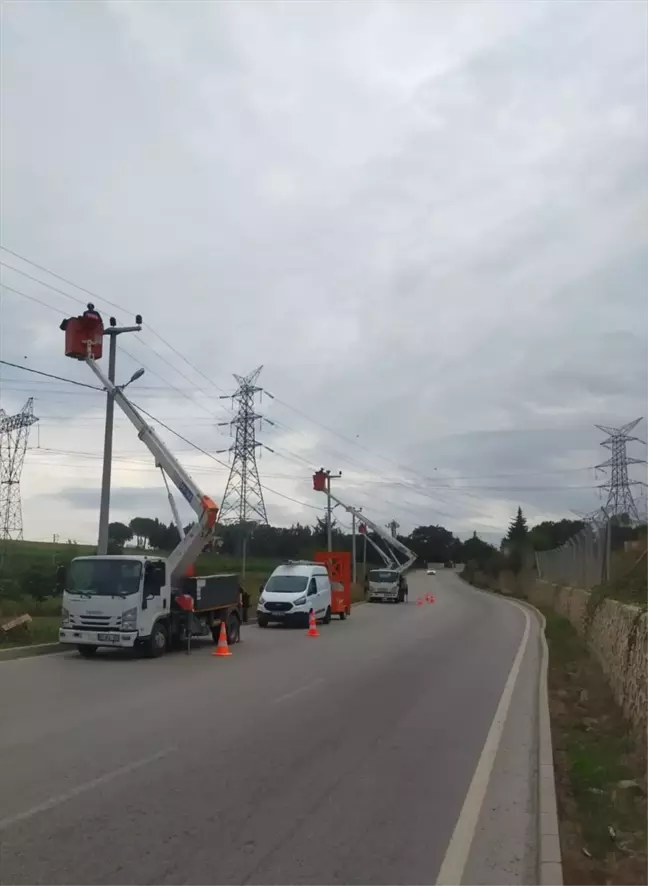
x=620, y=501
x=243, y=499
x=14, y=433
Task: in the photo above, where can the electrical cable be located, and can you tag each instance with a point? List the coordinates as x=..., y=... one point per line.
x=70, y=381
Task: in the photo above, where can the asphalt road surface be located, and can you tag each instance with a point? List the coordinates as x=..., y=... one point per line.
x=367, y=755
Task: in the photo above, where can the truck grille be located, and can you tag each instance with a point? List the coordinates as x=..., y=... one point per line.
x=96, y=622
x=278, y=607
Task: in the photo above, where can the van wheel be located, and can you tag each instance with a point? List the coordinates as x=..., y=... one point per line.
x=87, y=651
x=262, y=621
x=157, y=642
x=327, y=618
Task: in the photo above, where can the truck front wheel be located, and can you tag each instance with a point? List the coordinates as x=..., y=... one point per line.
x=87, y=651
x=157, y=642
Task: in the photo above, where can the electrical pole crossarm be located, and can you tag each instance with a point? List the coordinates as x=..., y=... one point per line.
x=203, y=506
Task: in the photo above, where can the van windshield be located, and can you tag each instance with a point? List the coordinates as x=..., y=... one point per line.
x=383, y=576
x=286, y=584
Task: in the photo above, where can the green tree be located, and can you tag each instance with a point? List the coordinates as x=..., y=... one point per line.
x=119, y=533
x=518, y=530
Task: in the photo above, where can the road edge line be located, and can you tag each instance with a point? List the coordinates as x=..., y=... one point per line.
x=13, y=653
x=458, y=851
x=550, y=870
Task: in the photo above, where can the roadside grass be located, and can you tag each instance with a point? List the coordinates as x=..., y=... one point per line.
x=600, y=768
x=42, y=629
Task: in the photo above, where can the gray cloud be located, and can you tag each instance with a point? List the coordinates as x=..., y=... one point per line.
x=427, y=221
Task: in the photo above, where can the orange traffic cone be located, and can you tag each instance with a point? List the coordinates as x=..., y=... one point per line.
x=312, y=625
x=222, y=649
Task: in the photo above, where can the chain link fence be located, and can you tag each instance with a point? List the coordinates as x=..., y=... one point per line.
x=583, y=561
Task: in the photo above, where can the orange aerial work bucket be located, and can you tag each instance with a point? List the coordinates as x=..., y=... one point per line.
x=83, y=337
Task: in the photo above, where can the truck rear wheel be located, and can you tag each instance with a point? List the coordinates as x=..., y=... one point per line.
x=342, y=615
x=233, y=628
x=327, y=618
x=87, y=651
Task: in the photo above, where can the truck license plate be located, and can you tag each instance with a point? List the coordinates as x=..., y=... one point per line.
x=108, y=638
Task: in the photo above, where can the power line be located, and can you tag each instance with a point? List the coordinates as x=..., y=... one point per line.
x=218, y=460
x=32, y=298
x=113, y=304
x=69, y=381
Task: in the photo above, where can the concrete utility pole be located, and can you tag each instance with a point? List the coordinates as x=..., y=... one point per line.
x=354, y=567
x=329, y=528
x=104, y=508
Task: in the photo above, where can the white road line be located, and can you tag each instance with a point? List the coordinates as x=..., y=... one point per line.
x=57, y=799
x=458, y=849
x=297, y=691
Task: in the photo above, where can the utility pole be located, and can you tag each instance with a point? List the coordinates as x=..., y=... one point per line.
x=243, y=499
x=329, y=527
x=363, y=531
x=353, y=548
x=104, y=508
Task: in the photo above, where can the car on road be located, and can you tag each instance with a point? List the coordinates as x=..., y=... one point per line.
x=293, y=591
x=431, y=572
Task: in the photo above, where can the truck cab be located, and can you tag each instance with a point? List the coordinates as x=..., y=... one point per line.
x=387, y=584
x=115, y=601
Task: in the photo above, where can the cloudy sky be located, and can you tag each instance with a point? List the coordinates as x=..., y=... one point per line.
x=427, y=220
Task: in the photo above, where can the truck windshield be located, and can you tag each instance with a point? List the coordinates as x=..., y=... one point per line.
x=104, y=577
x=382, y=576
x=286, y=584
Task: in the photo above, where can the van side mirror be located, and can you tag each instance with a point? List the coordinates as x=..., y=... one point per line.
x=312, y=589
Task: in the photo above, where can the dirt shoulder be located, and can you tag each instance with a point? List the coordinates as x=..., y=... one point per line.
x=600, y=768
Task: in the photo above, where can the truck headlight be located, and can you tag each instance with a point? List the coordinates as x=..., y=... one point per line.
x=65, y=617
x=299, y=602
x=129, y=619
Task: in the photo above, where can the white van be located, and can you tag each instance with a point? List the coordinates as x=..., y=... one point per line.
x=293, y=591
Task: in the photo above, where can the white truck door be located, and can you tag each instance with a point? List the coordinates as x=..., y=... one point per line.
x=155, y=595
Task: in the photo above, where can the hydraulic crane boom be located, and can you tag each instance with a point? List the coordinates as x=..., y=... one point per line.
x=390, y=540
x=185, y=553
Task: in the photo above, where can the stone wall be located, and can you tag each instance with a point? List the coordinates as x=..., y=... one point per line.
x=617, y=635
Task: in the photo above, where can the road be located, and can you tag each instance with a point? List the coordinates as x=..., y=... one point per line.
x=349, y=758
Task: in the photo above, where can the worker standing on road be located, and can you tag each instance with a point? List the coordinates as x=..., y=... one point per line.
x=245, y=604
